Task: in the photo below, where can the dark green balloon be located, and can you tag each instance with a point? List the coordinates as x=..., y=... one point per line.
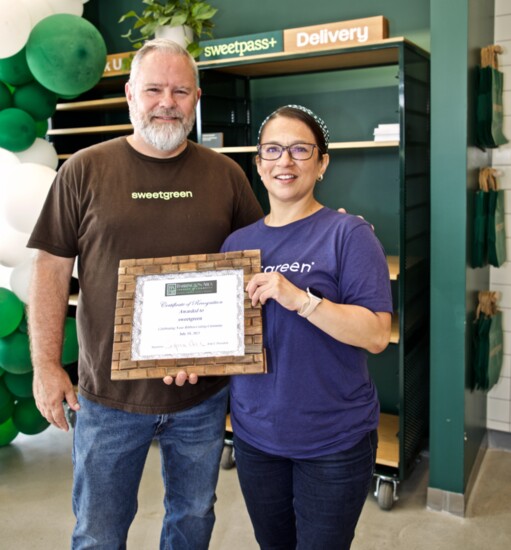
x=17, y=130
x=41, y=128
x=27, y=419
x=35, y=100
x=11, y=312
x=20, y=385
x=66, y=54
x=23, y=326
x=5, y=97
x=6, y=402
x=15, y=353
x=14, y=69
x=8, y=432
x=70, y=345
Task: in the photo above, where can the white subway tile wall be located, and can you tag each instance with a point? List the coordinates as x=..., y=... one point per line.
x=499, y=397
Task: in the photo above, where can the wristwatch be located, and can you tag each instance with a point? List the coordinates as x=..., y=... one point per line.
x=315, y=298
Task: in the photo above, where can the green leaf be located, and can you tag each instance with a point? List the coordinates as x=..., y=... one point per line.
x=194, y=49
x=203, y=11
x=127, y=15
x=178, y=19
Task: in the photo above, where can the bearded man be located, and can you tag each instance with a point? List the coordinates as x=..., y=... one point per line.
x=151, y=194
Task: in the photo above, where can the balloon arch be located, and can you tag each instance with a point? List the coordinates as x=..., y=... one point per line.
x=47, y=51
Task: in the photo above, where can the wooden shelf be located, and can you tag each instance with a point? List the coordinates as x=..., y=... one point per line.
x=394, y=331
x=224, y=150
x=333, y=146
x=378, y=53
x=112, y=129
x=388, y=441
x=94, y=104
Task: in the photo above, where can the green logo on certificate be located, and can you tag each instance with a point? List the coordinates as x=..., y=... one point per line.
x=191, y=287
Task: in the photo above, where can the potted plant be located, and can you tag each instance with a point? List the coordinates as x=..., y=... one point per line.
x=194, y=14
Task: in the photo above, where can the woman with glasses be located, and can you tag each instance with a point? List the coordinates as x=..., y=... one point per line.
x=305, y=433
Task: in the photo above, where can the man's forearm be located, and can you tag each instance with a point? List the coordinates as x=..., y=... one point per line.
x=48, y=302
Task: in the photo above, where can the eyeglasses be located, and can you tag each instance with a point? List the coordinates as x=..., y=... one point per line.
x=297, y=151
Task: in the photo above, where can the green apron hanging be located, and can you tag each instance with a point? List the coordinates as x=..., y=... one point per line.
x=480, y=226
x=489, y=100
x=496, y=222
x=488, y=343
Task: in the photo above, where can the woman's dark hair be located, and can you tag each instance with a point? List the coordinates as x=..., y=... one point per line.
x=320, y=132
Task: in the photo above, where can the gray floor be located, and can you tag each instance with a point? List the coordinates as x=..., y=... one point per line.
x=35, y=511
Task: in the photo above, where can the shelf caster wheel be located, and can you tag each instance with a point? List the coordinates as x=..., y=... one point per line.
x=385, y=496
x=227, y=461
x=386, y=492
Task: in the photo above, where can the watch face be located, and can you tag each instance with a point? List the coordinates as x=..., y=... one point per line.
x=315, y=293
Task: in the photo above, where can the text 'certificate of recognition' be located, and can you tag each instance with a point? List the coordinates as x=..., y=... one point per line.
x=194, y=314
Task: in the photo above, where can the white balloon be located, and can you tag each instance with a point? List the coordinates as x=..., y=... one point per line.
x=7, y=157
x=25, y=193
x=13, y=249
x=6, y=174
x=20, y=279
x=74, y=7
x=37, y=9
x=40, y=152
x=5, y=276
x=15, y=27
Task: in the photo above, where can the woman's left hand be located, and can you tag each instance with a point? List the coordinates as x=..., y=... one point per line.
x=265, y=286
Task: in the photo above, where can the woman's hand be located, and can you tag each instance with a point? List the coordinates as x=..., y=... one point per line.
x=265, y=286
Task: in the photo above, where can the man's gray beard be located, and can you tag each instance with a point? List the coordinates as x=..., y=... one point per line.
x=164, y=137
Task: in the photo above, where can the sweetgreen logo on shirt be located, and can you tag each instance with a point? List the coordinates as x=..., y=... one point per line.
x=165, y=195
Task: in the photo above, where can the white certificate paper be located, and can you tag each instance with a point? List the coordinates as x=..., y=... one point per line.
x=197, y=314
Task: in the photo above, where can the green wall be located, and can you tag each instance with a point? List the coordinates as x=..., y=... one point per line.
x=459, y=28
x=239, y=17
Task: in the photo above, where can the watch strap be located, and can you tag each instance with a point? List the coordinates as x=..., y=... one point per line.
x=310, y=305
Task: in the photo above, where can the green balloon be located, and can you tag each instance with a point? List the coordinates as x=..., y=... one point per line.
x=17, y=130
x=27, y=419
x=15, y=353
x=6, y=402
x=35, y=100
x=8, y=432
x=14, y=69
x=70, y=345
x=23, y=326
x=66, y=54
x=20, y=385
x=41, y=128
x=5, y=97
x=11, y=311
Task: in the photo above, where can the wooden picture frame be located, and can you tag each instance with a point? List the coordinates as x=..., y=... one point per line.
x=135, y=353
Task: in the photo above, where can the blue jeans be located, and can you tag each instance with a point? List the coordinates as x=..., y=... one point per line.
x=109, y=453
x=306, y=504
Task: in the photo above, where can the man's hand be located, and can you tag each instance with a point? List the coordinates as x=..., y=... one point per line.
x=51, y=387
x=343, y=211
x=181, y=378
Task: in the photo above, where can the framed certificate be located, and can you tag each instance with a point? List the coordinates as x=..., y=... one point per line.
x=187, y=313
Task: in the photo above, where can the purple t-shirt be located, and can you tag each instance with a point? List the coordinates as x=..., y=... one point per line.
x=317, y=397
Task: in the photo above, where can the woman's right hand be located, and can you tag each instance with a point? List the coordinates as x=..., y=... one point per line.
x=265, y=286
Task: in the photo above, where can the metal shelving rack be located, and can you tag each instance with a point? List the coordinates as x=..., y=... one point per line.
x=404, y=421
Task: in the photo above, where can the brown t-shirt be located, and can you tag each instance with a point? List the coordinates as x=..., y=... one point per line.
x=110, y=202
